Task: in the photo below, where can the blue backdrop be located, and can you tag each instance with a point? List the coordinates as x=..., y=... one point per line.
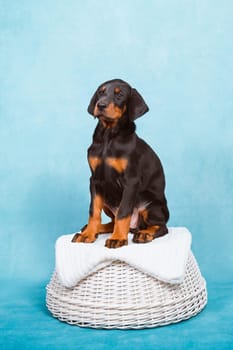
x=179, y=55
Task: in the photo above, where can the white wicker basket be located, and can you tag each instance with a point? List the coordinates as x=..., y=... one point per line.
x=119, y=296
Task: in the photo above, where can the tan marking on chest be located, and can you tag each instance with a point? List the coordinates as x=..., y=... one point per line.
x=94, y=162
x=119, y=164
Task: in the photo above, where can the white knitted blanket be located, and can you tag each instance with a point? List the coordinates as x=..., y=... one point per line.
x=164, y=258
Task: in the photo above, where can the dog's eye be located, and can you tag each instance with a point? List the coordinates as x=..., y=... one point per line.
x=119, y=94
x=101, y=91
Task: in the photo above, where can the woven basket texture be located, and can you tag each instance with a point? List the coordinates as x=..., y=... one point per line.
x=119, y=296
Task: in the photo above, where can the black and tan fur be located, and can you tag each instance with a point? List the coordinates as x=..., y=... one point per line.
x=127, y=179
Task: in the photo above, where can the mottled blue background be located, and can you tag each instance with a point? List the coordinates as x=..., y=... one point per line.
x=53, y=54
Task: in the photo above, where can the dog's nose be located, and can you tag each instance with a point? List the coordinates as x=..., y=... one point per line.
x=101, y=105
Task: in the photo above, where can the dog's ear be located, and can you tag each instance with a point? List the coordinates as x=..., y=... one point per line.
x=92, y=103
x=136, y=105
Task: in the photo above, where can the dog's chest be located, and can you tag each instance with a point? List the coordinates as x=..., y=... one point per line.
x=103, y=159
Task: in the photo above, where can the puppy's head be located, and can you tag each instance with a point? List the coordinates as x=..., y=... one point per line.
x=116, y=98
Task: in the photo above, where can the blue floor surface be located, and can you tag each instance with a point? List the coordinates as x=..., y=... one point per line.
x=27, y=324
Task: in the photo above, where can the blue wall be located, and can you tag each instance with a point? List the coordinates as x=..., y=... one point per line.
x=178, y=54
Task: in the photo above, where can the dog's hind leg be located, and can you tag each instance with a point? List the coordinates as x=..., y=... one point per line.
x=151, y=226
x=150, y=233
x=109, y=227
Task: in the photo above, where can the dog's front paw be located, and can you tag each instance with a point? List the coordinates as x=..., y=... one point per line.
x=74, y=239
x=115, y=243
x=84, y=238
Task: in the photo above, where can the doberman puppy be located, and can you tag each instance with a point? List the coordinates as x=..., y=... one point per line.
x=127, y=180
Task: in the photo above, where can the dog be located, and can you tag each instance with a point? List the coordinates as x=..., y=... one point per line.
x=127, y=178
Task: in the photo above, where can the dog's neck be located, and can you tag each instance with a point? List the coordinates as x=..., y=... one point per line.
x=124, y=127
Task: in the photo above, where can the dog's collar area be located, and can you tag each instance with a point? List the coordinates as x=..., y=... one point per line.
x=107, y=122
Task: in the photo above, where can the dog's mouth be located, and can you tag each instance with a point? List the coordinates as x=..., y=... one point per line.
x=106, y=121
x=104, y=118
x=108, y=112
